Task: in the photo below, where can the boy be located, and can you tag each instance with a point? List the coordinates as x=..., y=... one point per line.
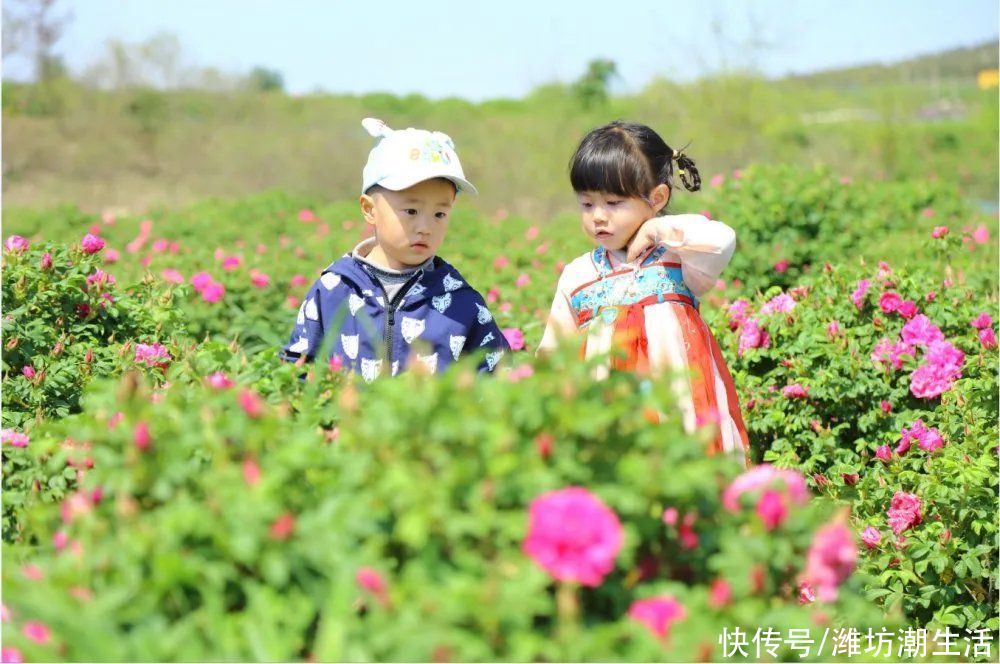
x=391, y=301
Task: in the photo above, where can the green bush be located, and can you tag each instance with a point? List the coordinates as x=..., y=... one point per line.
x=942, y=571
x=239, y=531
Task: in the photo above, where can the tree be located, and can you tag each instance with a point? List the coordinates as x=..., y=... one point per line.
x=266, y=80
x=592, y=87
x=35, y=28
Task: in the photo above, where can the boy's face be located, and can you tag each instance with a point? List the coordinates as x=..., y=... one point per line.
x=410, y=224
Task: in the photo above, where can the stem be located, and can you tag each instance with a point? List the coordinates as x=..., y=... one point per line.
x=568, y=610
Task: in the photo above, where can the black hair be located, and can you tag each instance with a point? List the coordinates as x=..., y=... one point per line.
x=630, y=160
x=378, y=189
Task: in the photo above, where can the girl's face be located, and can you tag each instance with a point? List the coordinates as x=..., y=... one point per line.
x=611, y=220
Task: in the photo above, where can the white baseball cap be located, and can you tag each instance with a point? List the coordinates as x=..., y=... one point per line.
x=401, y=159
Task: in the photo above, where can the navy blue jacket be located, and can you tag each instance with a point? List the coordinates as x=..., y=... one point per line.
x=436, y=317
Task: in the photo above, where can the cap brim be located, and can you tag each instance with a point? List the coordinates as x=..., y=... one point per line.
x=399, y=183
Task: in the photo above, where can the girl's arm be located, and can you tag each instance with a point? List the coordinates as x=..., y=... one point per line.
x=561, y=320
x=704, y=245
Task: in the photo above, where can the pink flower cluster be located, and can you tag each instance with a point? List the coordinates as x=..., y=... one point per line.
x=831, y=559
x=753, y=335
x=14, y=438
x=783, y=303
x=779, y=487
x=211, y=290
x=892, y=302
x=942, y=362
x=99, y=279
x=904, y=511
x=16, y=244
x=984, y=323
x=91, y=244
x=657, y=614
x=794, y=391
x=929, y=439
x=573, y=536
x=858, y=296
x=152, y=355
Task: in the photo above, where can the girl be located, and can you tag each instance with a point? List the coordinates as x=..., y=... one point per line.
x=638, y=291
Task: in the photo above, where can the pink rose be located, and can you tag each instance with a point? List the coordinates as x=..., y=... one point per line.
x=981, y=321
x=871, y=537
x=766, y=476
x=778, y=304
x=858, y=296
x=14, y=438
x=981, y=235
x=907, y=309
x=172, y=276
x=920, y=331
x=522, y=280
x=16, y=244
x=830, y=561
x=987, y=337
x=781, y=266
x=219, y=381
x=370, y=580
x=37, y=632
x=140, y=435
x=213, y=292
x=771, y=509
x=152, y=355
x=889, y=302
x=939, y=232
x=720, y=594
x=883, y=454
x=259, y=279
x=91, y=244
x=904, y=511
x=657, y=614
x=201, y=280
x=251, y=403
x=752, y=336
x=515, y=337
x=795, y=391
x=573, y=536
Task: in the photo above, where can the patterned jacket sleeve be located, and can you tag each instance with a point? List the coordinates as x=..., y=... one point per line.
x=309, y=329
x=486, y=334
x=705, y=247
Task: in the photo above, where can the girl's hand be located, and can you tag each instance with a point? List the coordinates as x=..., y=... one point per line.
x=651, y=233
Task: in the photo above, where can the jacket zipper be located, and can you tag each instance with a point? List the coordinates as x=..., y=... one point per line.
x=392, y=305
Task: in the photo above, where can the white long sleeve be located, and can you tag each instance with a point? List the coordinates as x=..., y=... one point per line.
x=561, y=321
x=705, y=247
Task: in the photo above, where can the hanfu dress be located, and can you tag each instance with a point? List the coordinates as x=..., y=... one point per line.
x=648, y=312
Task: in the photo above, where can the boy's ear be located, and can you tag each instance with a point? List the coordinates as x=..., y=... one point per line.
x=659, y=197
x=367, y=204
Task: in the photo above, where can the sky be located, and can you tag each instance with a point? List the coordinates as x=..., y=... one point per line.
x=485, y=50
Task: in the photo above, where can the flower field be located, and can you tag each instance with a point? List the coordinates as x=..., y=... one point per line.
x=173, y=491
